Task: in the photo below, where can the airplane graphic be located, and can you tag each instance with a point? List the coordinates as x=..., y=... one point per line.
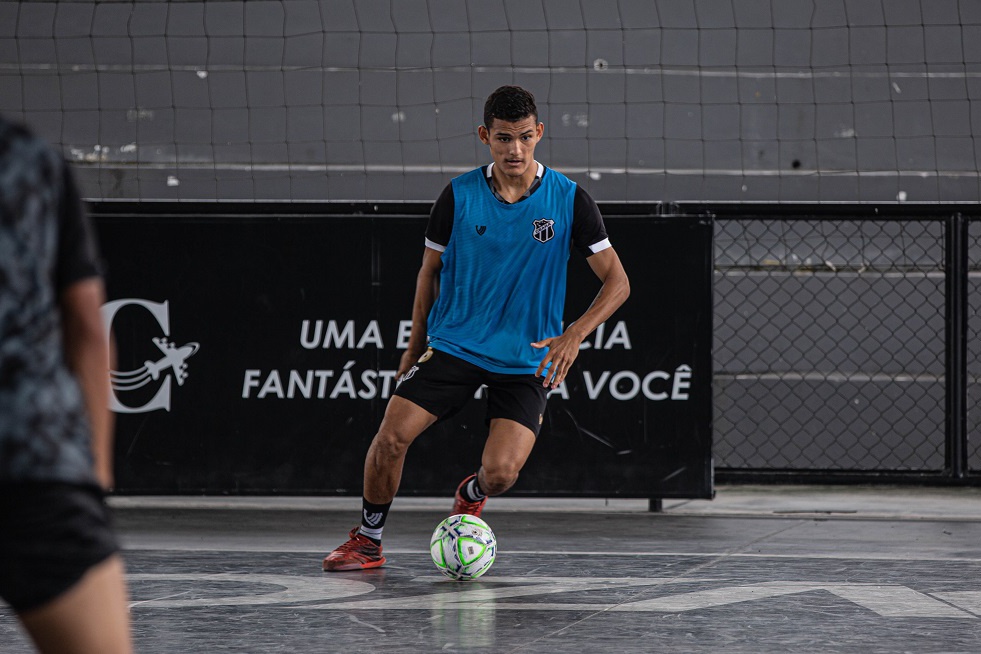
x=174, y=358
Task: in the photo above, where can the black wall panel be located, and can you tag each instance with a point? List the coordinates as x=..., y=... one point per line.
x=278, y=337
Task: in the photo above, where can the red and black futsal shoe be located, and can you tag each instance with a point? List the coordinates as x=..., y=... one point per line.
x=463, y=505
x=359, y=553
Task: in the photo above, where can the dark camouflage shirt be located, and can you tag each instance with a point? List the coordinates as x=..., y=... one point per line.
x=46, y=245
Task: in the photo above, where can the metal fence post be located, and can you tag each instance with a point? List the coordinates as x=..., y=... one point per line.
x=955, y=288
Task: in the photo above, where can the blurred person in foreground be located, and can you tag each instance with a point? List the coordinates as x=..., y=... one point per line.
x=60, y=569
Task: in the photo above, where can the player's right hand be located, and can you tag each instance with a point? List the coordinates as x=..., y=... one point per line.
x=408, y=360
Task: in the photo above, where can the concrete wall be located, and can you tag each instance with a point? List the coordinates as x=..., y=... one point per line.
x=643, y=100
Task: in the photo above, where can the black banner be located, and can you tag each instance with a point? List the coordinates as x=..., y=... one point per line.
x=256, y=355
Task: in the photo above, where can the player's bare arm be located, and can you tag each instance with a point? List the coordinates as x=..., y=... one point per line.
x=563, y=349
x=88, y=356
x=427, y=290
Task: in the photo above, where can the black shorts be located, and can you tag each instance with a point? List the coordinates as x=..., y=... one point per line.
x=50, y=535
x=442, y=384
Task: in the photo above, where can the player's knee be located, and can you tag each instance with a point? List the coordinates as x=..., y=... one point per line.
x=389, y=444
x=496, y=480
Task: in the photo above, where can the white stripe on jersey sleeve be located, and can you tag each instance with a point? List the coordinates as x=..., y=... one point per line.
x=433, y=245
x=599, y=247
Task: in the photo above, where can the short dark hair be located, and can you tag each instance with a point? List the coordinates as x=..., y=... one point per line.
x=510, y=104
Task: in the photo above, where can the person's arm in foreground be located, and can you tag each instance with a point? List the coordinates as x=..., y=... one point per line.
x=88, y=356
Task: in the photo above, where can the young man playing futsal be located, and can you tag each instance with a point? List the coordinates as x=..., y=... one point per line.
x=488, y=310
x=59, y=567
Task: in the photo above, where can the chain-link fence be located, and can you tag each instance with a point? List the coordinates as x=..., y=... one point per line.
x=830, y=347
x=973, y=347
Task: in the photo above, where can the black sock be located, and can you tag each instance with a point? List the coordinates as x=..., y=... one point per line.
x=472, y=492
x=373, y=519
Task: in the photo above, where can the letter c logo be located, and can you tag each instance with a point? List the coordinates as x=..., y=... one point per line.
x=160, y=312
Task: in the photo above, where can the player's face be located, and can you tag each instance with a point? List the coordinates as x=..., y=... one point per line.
x=512, y=145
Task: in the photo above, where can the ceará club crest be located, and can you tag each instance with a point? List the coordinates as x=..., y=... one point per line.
x=544, y=230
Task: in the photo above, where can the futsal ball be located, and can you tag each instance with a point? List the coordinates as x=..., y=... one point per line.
x=463, y=547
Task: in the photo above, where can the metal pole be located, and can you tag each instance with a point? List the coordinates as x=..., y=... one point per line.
x=955, y=288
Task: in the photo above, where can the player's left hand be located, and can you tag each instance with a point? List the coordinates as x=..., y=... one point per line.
x=562, y=353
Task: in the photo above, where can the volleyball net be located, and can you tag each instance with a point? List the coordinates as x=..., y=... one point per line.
x=378, y=100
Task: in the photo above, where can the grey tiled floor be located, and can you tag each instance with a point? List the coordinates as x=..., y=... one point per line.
x=758, y=569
